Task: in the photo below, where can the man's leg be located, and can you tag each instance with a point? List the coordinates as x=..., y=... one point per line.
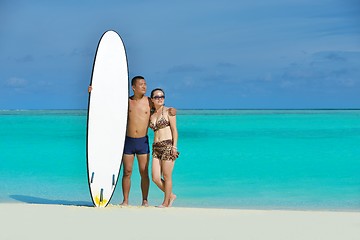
x=143, y=160
x=128, y=161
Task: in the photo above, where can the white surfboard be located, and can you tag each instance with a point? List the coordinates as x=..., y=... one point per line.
x=107, y=117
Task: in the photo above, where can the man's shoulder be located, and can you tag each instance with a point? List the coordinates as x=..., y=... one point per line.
x=143, y=98
x=145, y=102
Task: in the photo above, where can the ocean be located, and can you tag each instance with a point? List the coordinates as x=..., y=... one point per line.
x=244, y=159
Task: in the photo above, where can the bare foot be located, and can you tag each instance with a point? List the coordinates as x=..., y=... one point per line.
x=172, y=199
x=145, y=203
x=161, y=206
x=124, y=204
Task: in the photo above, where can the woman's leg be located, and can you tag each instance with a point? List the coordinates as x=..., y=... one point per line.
x=156, y=173
x=167, y=169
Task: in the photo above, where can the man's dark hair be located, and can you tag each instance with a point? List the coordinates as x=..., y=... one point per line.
x=134, y=79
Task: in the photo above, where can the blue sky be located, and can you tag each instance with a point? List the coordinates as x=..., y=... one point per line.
x=205, y=54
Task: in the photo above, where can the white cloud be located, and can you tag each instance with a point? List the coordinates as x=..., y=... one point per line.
x=16, y=82
x=328, y=69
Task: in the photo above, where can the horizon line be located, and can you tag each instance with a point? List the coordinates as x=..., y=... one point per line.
x=219, y=109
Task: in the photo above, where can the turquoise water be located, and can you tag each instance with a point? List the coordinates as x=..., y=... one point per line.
x=262, y=159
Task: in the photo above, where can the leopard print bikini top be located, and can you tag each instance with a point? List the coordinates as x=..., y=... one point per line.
x=159, y=124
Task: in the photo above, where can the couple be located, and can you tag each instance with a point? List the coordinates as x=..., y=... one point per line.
x=147, y=112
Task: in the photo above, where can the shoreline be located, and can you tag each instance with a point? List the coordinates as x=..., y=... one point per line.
x=68, y=203
x=46, y=221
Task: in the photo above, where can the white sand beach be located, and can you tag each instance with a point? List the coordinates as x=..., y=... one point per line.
x=40, y=221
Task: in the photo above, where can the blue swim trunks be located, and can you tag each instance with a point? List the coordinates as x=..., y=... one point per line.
x=136, y=145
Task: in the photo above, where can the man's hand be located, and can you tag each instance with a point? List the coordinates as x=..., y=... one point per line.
x=172, y=111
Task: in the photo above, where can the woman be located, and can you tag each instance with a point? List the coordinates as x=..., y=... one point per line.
x=164, y=151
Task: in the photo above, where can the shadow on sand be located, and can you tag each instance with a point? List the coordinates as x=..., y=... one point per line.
x=37, y=200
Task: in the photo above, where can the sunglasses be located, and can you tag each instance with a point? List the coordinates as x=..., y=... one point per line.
x=159, y=97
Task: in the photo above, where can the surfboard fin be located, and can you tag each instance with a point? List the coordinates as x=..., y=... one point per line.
x=101, y=195
x=92, y=177
x=113, y=180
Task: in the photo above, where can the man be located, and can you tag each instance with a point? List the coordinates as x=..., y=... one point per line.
x=137, y=141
